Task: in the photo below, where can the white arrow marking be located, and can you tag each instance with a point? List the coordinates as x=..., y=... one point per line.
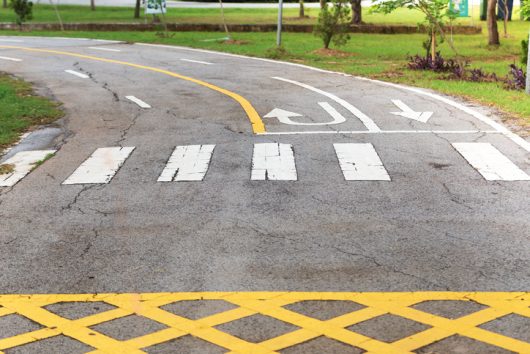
x=283, y=116
x=407, y=112
x=78, y=74
x=138, y=101
x=10, y=59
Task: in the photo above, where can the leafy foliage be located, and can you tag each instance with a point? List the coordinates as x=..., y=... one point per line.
x=524, y=51
x=439, y=64
x=332, y=23
x=517, y=81
x=436, y=12
x=525, y=9
x=23, y=10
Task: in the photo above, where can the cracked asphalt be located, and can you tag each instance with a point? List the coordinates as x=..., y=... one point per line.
x=437, y=225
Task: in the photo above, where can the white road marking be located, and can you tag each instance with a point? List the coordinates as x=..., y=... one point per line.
x=11, y=40
x=273, y=161
x=10, y=59
x=197, y=61
x=105, y=49
x=368, y=122
x=187, y=163
x=490, y=162
x=283, y=116
x=101, y=166
x=78, y=74
x=499, y=128
x=384, y=132
x=408, y=112
x=23, y=162
x=360, y=162
x=138, y=101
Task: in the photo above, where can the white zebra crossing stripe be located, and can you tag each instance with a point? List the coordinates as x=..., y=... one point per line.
x=10, y=59
x=360, y=162
x=490, y=162
x=22, y=163
x=101, y=166
x=78, y=74
x=138, y=101
x=273, y=161
x=187, y=163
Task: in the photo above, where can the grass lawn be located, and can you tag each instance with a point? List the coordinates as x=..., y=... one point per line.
x=22, y=109
x=383, y=57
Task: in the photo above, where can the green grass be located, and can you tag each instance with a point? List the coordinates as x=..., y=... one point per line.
x=80, y=14
x=22, y=109
x=377, y=56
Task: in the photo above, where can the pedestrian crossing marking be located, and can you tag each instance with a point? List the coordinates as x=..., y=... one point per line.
x=101, y=166
x=187, y=163
x=274, y=162
x=490, y=162
x=360, y=162
x=21, y=164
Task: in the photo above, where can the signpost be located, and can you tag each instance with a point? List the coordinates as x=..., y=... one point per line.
x=155, y=7
x=280, y=15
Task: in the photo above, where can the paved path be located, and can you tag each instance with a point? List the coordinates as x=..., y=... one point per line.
x=179, y=170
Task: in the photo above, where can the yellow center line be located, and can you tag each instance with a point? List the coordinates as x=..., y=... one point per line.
x=255, y=119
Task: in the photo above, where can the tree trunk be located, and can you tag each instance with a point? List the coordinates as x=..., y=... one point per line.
x=322, y=3
x=357, y=12
x=93, y=5
x=493, y=32
x=433, y=44
x=137, y=9
x=4, y=4
x=301, y=12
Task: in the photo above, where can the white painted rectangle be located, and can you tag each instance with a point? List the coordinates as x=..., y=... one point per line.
x=187, y=163
x=78, y=74
x=360, y=162
x=273, y=161
x=101, y=166
x=490, y=162
x=23, y=162
x=10, y=59
x=138, y=101
x=105, y=49
x=197, y=61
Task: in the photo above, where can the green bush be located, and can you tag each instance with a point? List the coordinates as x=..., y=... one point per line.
x=23, y=10
x=333, y=23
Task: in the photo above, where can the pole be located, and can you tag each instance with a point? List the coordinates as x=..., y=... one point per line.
x=57, y=14
x=528, y=67
x=280, y=15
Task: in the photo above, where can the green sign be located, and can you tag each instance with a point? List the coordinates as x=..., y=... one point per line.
x=459, y=7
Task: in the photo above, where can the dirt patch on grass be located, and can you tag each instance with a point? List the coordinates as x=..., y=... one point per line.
x=7, y=168
x=336, y=53
x=236, y=41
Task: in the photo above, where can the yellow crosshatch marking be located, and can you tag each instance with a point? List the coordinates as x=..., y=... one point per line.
x=272, y=304
x=257, y=123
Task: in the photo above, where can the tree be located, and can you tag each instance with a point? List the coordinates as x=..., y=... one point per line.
x=92, y=5
x=493, y=32
x=137, y=9
x=23, y=10
x=332, y=23
x=436, y=13
x=4, y=4
x=301, y=11
x=357, y=12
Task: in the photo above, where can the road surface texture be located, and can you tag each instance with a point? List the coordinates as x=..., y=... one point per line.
x=200, y=202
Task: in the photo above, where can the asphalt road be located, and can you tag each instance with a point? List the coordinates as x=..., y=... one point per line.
x=435, y=223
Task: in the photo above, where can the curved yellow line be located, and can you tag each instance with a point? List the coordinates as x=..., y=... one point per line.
x=253, y=116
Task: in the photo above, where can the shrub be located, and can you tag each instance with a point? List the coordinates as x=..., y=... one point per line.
x=524, y=49
x=516, y=79
x=23, y=10
x=332, y=23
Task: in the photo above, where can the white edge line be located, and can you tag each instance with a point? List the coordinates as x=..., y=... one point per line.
x=497, y=126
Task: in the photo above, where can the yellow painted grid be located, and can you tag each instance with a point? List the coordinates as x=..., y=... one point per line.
x=497, y=305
